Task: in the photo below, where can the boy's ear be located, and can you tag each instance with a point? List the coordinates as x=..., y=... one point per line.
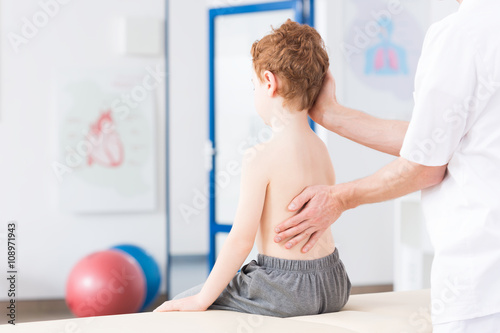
x=271, y=83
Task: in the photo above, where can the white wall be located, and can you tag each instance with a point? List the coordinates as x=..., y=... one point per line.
x=188, y=104
x=82, y=35
x=442, y=8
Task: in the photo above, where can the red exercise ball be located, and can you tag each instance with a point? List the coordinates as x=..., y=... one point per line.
x=105, y=283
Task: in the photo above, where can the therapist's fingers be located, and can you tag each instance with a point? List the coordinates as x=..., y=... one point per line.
x=329, y=85
x=292, y=227
x=301, y=199
x=312, y=241
x=326, y=100
x=299, y=238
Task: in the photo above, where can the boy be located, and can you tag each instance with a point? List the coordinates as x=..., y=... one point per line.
x=289, y=67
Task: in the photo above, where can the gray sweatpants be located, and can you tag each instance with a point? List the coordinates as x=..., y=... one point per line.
x=284, y=288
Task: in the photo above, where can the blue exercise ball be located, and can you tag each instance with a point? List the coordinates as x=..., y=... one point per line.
x=150, y=269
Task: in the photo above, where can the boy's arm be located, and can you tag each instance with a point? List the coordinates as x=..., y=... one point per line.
x=240, y=241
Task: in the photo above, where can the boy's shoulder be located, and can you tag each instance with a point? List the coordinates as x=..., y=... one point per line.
x=263, y=156
x=256, y=163
x=258, y=155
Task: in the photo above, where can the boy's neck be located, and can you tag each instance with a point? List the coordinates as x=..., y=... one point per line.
x=287, y=121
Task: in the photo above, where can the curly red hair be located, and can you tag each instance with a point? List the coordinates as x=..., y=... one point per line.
x=296, y=54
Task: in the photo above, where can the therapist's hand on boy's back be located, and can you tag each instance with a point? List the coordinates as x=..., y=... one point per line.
x=317, y=208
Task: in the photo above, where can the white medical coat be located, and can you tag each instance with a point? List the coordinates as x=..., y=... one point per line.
x=456, y=121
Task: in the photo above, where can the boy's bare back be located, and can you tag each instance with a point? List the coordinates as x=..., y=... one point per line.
x=294, y=159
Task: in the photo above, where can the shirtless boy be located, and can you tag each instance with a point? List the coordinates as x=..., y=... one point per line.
x=289, y=67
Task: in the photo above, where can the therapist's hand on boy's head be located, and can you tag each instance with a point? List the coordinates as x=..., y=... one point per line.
x=318, y=208
x=325, y=101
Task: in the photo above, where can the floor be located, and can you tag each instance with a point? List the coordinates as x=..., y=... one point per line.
x=186, y=273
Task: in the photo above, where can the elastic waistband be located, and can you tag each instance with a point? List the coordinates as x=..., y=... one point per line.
x=299, y=265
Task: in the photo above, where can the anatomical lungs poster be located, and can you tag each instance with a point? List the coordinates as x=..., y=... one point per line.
x=106, y=152
x=381, y=44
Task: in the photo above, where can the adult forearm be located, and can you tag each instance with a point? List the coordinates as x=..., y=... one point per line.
x=380, y=134
x=397, y=179
x=325, y=204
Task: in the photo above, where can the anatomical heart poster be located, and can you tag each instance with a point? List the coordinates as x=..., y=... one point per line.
x=106, y=152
